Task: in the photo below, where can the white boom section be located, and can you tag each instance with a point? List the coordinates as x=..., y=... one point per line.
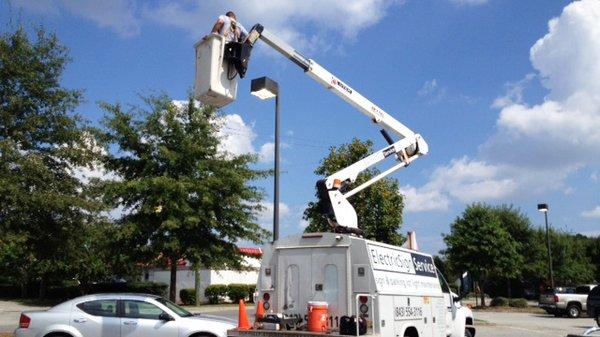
x=407, y=149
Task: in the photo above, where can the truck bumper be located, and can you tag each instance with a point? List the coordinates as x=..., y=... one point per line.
x=550, y=308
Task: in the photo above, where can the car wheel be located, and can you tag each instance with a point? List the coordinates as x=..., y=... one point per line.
x=573, y=311
x=468, y=333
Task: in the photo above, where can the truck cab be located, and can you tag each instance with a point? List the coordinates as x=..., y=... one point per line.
x=394, y=291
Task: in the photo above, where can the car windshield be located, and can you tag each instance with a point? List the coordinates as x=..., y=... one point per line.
x=177, y=309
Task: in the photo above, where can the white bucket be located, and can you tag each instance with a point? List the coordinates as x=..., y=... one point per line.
x=214, y=83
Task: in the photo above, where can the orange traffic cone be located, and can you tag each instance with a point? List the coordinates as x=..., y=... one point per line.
x=260, y=311
x=243, y=323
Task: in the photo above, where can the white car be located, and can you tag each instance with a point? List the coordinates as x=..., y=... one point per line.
x=125, y=315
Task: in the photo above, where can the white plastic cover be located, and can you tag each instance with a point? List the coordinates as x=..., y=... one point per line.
x=214, y=84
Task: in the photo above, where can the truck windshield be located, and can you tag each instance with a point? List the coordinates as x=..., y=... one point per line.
x=443, y=282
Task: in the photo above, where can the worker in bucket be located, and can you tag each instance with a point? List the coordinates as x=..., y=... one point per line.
x=228, y=26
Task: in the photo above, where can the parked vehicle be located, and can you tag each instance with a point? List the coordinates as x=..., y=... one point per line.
x=566, y=301
x=111, y=315
x=593, y=304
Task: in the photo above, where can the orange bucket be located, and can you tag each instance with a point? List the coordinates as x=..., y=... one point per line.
x=317, y=316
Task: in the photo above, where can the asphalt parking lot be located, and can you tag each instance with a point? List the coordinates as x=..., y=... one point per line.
x=505, y=324
x=489, y=324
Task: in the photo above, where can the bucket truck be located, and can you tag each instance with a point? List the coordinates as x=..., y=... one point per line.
x=368, y=287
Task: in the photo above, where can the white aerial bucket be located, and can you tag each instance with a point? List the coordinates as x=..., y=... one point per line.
x=215, y=83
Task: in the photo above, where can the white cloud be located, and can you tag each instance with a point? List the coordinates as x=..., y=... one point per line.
x=595, y=176
x=428, y=87
x=117, y=15
x=424, y=199
x=433, y=93
x=303, y=224
x=593, y=213
x=591, y=233
x=287, y=18
x=236, y=135
x=267, y=152
x=514, y=92
x=537, y=146
x=265, y=217
x=469, y=2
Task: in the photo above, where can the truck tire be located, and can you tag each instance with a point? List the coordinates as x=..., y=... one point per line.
x=468, y=333
x=573, y=311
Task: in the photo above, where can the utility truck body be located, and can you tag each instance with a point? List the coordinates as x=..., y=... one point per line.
x=397, y=291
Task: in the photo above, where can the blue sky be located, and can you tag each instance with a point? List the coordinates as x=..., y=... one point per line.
x=506, y=93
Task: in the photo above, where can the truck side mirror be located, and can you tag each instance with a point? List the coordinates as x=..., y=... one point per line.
x=465, y=284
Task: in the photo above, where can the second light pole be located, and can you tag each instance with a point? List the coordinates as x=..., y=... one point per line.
x=266, y=88
x=544, y=209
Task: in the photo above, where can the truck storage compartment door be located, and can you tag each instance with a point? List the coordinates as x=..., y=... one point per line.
x=330, y=279
x=294, y=275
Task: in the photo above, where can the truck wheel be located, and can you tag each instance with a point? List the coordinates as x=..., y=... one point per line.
x=573, y=311
x=468, y=333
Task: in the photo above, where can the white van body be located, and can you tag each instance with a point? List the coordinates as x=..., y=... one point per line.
x=406, y=297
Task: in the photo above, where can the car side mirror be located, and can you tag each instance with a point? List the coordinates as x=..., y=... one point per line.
x=165, y=317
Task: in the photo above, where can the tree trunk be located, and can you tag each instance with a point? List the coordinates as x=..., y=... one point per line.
x=508, y=289
x=23, y=289
x=173, y=284
x=42, y=289
x=482, y=299
x=197, y=285
x=481, y=293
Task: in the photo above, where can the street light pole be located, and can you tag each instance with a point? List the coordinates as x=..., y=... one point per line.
x=549, y=251
x=544, y=209
x=266, y=88
x=276, y=179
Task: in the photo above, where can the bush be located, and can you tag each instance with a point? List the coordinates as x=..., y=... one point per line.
x=237, y=292
x=214, y=292
x=518, y=303
x=251, y=289
x=188, y=296
x=499, y=302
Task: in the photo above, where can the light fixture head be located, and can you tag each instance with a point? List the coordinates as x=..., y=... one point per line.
x=264, y=88
x=543, y=208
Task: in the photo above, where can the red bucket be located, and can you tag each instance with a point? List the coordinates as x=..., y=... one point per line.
x=317, y=316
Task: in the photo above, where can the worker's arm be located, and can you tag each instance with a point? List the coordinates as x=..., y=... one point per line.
x=218, y=25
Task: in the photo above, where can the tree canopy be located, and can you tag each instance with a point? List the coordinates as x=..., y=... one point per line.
x=183, y=198
x=44, y=209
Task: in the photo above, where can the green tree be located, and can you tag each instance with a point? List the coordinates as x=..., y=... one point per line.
x=378, y=208
x=518, y=226
x=571, y=263
x=44, y=210
x=479, y=243
x=183, y=198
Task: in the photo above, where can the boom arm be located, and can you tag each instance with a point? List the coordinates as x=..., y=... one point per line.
x=333, y=190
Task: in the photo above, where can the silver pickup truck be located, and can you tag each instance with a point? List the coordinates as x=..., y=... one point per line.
x=566, y=301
